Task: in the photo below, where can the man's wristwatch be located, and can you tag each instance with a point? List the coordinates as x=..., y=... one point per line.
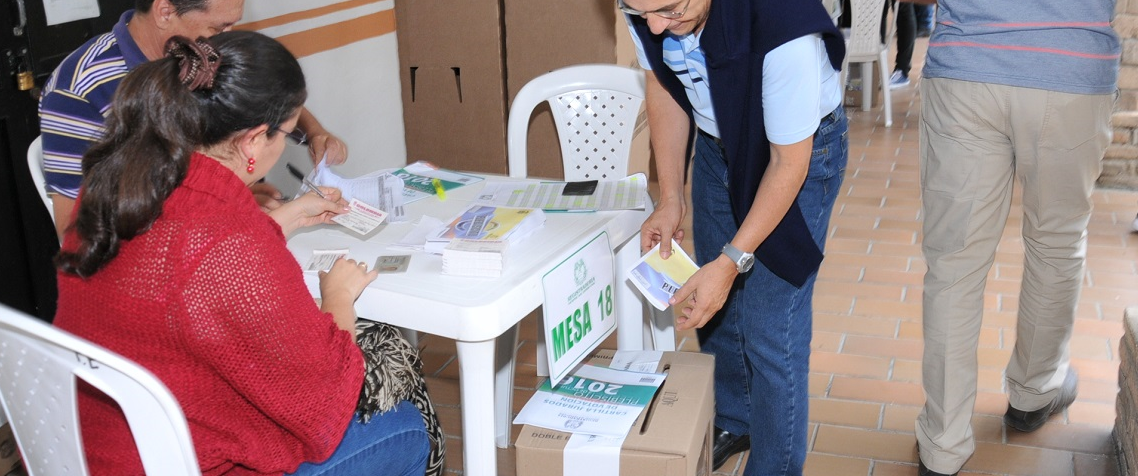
x=743, y=261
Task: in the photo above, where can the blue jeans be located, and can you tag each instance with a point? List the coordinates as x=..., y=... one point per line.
x=761, y=337
x=394, y=443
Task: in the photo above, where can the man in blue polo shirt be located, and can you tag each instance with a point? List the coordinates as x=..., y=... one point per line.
x=77, y=97
x=754, y=84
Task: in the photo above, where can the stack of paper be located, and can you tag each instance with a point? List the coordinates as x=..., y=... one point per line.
x=481, y=258
x=487, y=223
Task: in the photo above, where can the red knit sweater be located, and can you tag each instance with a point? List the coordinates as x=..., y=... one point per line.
x=211, y=301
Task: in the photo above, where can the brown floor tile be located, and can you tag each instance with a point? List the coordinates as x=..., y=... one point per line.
x=1096, y=464
x=845, y=413
x=910, y=349
x=829, y=465
x=862, y=443
x=850, y=365
x=871, y=390
x=1020, y=460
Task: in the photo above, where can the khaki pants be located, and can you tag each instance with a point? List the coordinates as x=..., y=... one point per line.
x=975, y=139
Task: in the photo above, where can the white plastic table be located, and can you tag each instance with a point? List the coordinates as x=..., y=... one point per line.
x=480, y=312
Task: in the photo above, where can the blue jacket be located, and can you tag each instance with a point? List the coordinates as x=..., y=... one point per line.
x=735, y=41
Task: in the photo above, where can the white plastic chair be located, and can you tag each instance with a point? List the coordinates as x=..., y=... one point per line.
x=39, y=365
x=864, y=45
x=35, y=165
x=595, y=107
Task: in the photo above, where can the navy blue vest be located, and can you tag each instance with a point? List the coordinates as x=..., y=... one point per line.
x=735, y=41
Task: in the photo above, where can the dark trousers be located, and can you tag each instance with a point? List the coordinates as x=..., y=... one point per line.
x=906, y=33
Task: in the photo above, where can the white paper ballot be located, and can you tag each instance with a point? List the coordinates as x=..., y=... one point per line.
x=322, y=260
x=63, y=11
x=657, y=278
x=362, y=218
x=366, y=188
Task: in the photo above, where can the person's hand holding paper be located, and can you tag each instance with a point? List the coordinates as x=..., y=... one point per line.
x=309, y=209
x=658, y=278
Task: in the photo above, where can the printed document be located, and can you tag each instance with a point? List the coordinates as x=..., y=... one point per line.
x=592, y=400
x=417, y=180
x=628, y=193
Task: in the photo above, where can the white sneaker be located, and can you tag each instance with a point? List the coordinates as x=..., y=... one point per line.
x=898, y=80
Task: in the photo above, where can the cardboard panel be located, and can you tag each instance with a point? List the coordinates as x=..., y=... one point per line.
x=461, y=61
x=452, y=73
x=544, y=35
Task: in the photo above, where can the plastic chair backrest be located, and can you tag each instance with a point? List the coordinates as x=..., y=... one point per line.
x=39, y=365
x=864, y=42
x=594, y=106
x=35, y=165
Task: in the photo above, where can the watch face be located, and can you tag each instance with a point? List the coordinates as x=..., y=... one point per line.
x=746, y=262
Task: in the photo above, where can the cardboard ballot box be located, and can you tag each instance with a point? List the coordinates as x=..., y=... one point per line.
x=672, y=436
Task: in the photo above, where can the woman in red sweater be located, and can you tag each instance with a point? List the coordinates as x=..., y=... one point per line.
x=171, y=263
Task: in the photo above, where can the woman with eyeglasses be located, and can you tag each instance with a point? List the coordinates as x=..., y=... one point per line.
x=172, y=264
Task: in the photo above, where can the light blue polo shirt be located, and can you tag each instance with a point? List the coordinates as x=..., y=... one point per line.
x=800, y=87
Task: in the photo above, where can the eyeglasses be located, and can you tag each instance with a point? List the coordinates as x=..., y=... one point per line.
x=296, y=136
x=669, y=14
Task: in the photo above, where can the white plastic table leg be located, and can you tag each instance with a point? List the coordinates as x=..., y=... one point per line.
x=410, y=335
x=476, y=385
x=542, y=360
x=505, y=353
x=629, y=304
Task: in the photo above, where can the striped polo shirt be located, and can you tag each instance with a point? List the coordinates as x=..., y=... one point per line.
x=77, y=99
x=1056, y=45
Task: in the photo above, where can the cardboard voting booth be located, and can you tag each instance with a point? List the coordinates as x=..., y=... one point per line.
x=671, y=437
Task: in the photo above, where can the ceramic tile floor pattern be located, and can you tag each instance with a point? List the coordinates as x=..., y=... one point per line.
x=865, y=389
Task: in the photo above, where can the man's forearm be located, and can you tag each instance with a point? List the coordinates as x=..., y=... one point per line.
x=670, y=127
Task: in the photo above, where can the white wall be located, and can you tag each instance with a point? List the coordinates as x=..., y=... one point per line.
x=353, y=86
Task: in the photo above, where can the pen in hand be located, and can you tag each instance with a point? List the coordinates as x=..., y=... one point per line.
x=304, y=180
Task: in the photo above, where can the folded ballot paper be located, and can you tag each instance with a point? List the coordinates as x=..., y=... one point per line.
x=657, y=278
x=487, y=223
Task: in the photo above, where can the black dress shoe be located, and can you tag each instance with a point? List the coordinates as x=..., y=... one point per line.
x=923, y=471
x=1031, y=421
x=725, y=444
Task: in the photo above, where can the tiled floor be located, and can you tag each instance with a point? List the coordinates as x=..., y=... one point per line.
x=865, y=371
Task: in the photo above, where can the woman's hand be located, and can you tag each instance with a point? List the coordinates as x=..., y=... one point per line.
x=704, y=293
x=322, y=143
x=662, y=226
x=309, y=209
x=340, y=286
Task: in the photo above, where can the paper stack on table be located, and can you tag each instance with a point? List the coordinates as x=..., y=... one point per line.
x=487, y=223
x=481, y=258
